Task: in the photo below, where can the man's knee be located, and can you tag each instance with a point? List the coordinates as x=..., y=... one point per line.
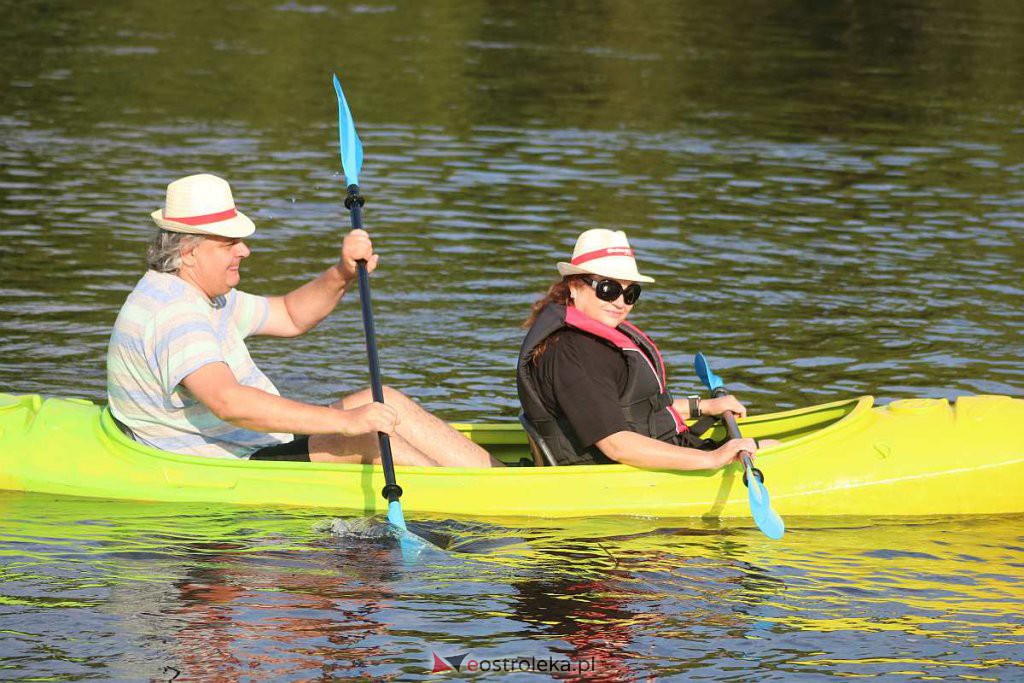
x=393, y=396
x=354, y=400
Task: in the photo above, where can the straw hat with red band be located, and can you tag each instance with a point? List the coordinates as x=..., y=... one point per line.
x=603, y=252
x=202, y=205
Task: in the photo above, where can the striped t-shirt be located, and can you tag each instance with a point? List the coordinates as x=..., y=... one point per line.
x=168, y=329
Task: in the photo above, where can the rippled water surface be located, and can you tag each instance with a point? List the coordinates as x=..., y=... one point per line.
x=830, y=195
x=100, y=589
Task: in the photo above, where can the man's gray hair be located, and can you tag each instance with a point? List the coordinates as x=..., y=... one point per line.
x=164, y=253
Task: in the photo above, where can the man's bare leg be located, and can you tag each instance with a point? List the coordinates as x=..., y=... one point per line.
x=425, y=433
x=364, y=449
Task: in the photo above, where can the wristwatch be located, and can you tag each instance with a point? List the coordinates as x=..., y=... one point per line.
x=694, y=400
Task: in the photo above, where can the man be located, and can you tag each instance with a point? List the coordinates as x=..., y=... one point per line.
x=180, y=378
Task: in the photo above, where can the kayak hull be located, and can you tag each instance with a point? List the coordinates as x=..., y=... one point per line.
x=911, y=457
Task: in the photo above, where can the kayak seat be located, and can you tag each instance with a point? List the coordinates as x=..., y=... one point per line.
x=541, y=454
x=125, y=429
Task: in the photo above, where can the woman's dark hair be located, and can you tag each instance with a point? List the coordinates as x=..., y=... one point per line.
x=558, y=293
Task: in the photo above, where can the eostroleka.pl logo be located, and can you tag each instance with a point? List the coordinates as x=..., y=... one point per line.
x=446, y=664
x=458, y=663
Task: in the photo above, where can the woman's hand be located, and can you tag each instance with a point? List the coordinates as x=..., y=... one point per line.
x=730, y=450
x=717, y=406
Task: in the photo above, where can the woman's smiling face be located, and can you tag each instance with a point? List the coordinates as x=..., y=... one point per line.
x=585, y=299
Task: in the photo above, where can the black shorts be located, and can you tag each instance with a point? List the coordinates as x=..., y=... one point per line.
x=296, y=450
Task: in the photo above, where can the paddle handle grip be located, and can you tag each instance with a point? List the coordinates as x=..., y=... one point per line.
x=392, y=491
x=733, y=430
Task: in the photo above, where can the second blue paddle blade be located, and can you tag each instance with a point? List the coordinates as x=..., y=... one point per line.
x=706, y=374
x=766, y=519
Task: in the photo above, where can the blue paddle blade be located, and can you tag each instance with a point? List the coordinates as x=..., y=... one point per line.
x=766, y=519
x=710, y=379
x=348, y=139
x=410, y=543
x=395, y=515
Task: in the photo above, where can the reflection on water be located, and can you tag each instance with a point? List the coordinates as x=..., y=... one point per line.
x=829, y=195
x=266, y=593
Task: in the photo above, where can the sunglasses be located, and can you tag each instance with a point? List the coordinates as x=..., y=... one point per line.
x=610, y=290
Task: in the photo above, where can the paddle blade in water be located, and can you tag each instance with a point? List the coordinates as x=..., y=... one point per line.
x=766, y=519
x=348, y=139
x=411, y=544
x=710, y=379
x=395, y=515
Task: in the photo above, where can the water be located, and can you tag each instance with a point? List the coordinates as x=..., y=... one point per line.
x=122, y=590
x=830, y=197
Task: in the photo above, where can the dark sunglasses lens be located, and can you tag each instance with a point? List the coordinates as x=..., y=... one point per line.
x=631, y=294
x=608, y=290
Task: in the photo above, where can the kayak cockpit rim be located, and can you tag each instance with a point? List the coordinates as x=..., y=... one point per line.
x=793, y=427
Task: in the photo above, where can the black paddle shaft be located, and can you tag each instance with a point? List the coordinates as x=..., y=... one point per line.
x=734, y=433
x=391, y=491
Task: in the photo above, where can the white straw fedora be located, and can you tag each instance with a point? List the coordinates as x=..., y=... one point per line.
x=202, y=205
x=603, y=252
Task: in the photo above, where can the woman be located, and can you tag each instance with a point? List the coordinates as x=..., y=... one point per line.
x=593, y=386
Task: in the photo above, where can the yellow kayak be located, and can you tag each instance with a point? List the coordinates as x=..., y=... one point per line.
x=910, y=457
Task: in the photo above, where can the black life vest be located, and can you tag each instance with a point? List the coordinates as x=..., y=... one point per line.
x=645, y=402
